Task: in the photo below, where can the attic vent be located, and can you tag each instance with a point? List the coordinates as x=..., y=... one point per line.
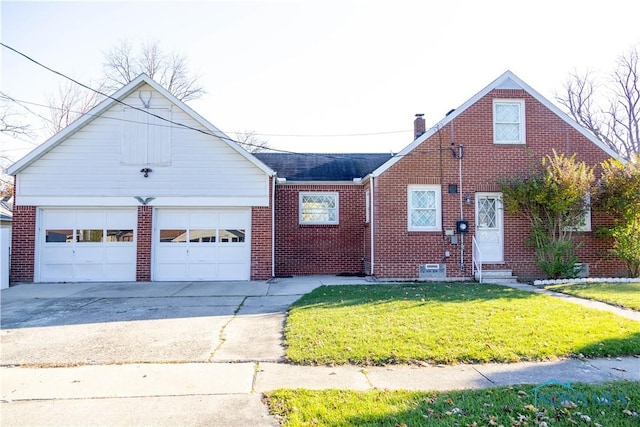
x=432, y=271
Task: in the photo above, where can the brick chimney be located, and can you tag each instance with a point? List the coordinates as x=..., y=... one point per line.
x=418, y=126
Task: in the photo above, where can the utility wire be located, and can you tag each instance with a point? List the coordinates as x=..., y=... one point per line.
x=178, y=124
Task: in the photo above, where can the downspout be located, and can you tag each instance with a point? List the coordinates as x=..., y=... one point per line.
x=460, y=192
x=372, y=225
x=273, y=225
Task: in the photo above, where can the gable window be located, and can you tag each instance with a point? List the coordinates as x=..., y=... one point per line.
x=424, y=208
x=318, y=208
x=508, y=121
x=146, y=137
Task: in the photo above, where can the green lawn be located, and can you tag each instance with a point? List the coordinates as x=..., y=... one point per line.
x=610, y=404
x=448, y=323
x=625, y=295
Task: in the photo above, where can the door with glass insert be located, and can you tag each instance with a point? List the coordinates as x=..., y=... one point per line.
x=489, y=231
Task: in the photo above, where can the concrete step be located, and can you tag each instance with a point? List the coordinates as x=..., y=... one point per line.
x=498, y=276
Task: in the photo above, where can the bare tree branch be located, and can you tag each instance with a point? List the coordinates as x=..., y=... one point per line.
x=611, y=112
x=250, y=142
x=122, y=65
x=11, y=122
x=71, y=102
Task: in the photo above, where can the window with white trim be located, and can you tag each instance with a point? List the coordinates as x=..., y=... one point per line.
x=585, y=223
x=318, y=208
x=424, y=208
x=508, y=121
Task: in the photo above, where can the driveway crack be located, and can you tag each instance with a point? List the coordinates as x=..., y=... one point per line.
x=221, y=336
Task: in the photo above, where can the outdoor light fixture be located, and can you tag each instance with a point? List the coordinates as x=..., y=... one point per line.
x=467, y=198
x=146, y=171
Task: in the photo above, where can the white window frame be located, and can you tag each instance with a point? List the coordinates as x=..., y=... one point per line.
x=301, y=196
x=521, y=127
x=437, y=189
x=586, y=225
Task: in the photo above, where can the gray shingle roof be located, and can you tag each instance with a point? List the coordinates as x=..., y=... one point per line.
x=323, y=167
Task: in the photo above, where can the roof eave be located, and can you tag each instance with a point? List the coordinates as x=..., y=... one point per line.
x=493, y=85
x=117, y=97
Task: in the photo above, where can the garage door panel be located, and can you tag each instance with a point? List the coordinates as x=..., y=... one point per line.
x=203, y=219
x=91, y=254
x=88, y=271
x=202, y=271
x=58, y=272
x=213, y=236
x=120, y=255
x=87, y=245
x=233, y=253
x=123, y=272
x=172, y=271
x=60, y=254
x=229, y=272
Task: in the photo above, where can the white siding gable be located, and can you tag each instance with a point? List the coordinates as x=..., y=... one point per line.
x=100, y=163
x=146, y=136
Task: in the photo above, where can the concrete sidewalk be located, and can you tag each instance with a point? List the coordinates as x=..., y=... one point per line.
x=220, y=394
x=194, y=353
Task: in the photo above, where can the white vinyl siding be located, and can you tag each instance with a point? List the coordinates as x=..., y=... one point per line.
x=319, y=208
x=146, y=137
x=508, y=121
x=424, y=208
x=87, y=168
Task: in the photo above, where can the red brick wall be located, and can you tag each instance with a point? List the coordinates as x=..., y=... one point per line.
x=261, y=240
x=145, y=236
x=23, y=244
x=319, y=249
x=399, y=252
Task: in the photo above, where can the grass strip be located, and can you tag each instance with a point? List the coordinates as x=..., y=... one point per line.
x=448, y=323
x=626, y=295
x=608, y=404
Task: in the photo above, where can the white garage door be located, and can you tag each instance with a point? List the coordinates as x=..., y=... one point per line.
x=202, y=244
x=87, y=245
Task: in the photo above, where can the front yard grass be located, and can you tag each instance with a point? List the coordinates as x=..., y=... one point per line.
x=448, y=323
x=625, y=295
x=609, y=404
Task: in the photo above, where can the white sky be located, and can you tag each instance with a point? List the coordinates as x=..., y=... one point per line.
x=320, y=67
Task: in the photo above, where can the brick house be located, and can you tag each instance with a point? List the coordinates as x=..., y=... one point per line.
x=124, y=195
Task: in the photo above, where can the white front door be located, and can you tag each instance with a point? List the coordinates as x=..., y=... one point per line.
x=202, y=244
x=489, y=232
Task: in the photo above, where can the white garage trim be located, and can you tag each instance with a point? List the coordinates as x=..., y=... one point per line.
x=201, y=244
x=86, y=245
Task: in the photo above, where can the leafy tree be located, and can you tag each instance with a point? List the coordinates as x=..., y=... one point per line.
x=553, y=198
x=610, y=109
x=619, y=195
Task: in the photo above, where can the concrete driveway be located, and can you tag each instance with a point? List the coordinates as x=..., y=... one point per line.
x=136, y=353
x=107, y=323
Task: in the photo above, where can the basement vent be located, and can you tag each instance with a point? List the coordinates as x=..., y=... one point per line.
x=432, y=271
x=581, y=270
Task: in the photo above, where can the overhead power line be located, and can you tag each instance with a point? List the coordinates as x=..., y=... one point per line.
x=182, y=125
